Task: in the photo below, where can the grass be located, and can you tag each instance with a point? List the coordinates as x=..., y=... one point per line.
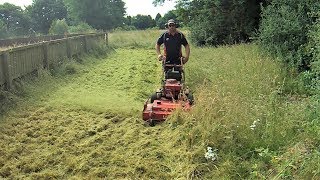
x=88, y=124
x=136, y=39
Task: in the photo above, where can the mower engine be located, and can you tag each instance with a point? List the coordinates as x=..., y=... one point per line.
x=172, y=88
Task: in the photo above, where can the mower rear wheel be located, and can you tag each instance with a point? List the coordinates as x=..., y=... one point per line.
x=190, y=98
x=152, y=122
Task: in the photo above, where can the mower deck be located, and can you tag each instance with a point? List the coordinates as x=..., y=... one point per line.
x=159, y=110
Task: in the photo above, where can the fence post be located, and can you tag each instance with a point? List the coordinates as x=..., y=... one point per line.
x=6, y=70
x=45, y=47
x=85, y=40
x=106, y=38
x=68, y=48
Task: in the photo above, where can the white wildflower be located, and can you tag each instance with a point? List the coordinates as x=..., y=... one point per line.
x=211, y=154
x=254, y=124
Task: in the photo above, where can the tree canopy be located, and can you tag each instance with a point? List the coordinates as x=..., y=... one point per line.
x=44, y=12
x=100, y=14
x=13, y=20
x=143, y=21
x=162, y=20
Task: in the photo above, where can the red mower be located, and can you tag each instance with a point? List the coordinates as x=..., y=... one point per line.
x=171, y=96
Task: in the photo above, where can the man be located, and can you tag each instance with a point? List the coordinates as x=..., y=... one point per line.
x=172, y=40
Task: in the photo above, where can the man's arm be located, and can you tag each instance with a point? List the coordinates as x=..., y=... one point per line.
x=187, y=49
x=158, y=51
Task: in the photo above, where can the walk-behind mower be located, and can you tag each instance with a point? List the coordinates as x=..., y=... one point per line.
x=171, y=96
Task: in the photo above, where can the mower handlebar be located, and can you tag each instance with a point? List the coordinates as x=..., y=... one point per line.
x=172, y=65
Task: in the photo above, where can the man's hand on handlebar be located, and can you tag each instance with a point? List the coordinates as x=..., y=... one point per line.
x=184, y=59
x=161, y=57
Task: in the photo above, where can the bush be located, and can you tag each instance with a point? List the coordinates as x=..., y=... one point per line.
x=314, y=48
x=125, y=28
x=7, y=101
x=223, y=22
x=101, y=50
x=81, y=28
x=284, y=31
x=59, y=27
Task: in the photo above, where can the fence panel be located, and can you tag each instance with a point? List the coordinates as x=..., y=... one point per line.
x=25, y=60
x=77, y=45
x=2, y=79
x=95, y=40
x=21, y=61
x=57, y=51
x=31, y=40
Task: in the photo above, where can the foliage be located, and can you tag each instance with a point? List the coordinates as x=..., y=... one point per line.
x=3, y=29
x=158, y=16
x=128, y=21
x=284, y=31
x=44, y=12
x=162, y=20
x=82, y=27
x=8, y=100
x=59, y=27
x=14, y=21
x=101, y=14
x=223, y=22
x=125, y=28
x=138, y=22
x=142, y=21
x=134, y=38
x=219, y=21
x=314, y=50
x=183, y=11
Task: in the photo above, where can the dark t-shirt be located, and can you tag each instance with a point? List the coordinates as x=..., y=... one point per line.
x=172, y=46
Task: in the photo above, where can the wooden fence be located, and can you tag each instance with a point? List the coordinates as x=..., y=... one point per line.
x=20, y=61
x=31, y=40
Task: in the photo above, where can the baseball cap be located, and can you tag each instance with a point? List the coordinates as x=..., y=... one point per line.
x=171, y=21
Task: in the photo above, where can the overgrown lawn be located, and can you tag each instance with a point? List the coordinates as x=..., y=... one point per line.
x=86, y=123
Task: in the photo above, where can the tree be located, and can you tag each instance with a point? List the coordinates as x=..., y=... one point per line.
x=14, y=20
x=143, y=22
x=219, y=21
x=59, y=27
x=100, y=14
x=184, y=9
x=158, y=16
x=44, y=12
x=224, y=21
x=81, y=27
x=157, y=2
x=162, y=21
x=284, y=31
x=128, y=21
x=3, y=31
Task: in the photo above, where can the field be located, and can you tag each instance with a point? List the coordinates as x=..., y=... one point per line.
x=84, y=122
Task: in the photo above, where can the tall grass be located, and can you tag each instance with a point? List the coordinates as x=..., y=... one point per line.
x=241, y=113
x=136, y=39
x=87, y=125
x=246, y=110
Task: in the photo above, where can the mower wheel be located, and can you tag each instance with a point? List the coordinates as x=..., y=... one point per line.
x=190, y=98
x=152, y=122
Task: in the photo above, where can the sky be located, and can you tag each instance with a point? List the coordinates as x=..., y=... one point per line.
x=134, y=7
